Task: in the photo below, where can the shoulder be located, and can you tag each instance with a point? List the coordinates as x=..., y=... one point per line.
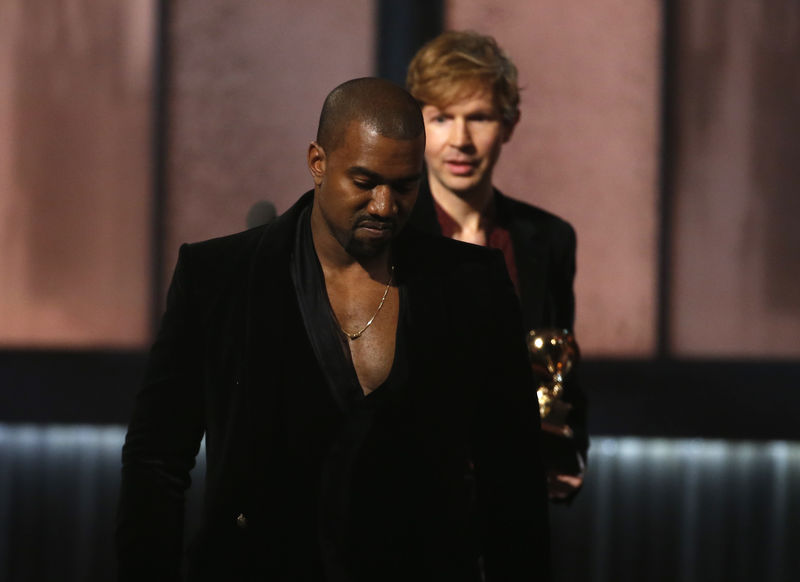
x=516, y=212
x=436, y=245
x=221, y=254
x=227, y=246
x=278, y=234
x=234, y=253
x=219, y=266
x=436, y=256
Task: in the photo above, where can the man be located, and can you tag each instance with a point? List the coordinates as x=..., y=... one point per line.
x=359, y=426
x=468, y=91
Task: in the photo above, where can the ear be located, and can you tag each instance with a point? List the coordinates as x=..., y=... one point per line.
x=508, y=127
x=316, y=162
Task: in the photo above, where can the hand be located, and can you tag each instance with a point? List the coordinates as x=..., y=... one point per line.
x=561, y=486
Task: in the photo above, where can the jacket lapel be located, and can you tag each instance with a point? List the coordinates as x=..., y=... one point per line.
x=274, y=347
x=531, y=252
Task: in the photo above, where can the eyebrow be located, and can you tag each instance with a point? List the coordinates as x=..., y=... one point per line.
x=376, y=177
x=491, y=111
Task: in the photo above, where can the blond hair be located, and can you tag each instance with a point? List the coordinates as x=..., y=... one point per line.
x=456, y=64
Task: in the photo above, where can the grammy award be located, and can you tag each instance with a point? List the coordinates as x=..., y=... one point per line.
x=553, y=353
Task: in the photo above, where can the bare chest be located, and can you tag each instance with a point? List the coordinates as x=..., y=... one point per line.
x=373, y=350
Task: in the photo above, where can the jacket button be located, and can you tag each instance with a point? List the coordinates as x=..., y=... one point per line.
x=241, y=521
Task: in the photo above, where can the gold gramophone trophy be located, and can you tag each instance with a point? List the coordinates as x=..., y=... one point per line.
x=553, y=353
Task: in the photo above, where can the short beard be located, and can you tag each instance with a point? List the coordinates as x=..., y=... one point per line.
x=368, y=249
x=365, y=250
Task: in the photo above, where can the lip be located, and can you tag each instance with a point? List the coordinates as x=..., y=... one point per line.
x=460, y=167
x=376, y=229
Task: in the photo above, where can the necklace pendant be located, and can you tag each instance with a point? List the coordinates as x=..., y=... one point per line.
x=354, y=336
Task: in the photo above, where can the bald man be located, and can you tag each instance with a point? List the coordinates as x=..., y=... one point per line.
x=359, y=427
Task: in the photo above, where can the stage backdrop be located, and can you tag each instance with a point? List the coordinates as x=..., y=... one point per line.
x=244, y=84
x=246, y=87
x=736, y=243
x=75, y=181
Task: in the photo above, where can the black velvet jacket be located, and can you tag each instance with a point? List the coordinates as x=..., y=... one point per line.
x=232, y=361
x=544, y=252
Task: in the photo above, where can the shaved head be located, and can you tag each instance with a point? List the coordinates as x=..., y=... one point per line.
x=377, y=104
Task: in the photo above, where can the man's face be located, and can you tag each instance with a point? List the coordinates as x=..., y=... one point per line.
x=463, y=142
x=365, y=188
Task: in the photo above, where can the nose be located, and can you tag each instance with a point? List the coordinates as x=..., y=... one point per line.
x=459, y=133
x=383, y=202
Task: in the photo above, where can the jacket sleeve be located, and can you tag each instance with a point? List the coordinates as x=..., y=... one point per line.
x=562, y=276
x=564, y=300
x=162, y=442
x=511, y=487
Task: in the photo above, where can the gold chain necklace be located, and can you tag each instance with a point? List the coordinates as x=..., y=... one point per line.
x=356, y=335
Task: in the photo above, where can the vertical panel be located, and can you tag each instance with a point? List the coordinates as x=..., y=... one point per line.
x=587, y=147
x=75, y=99
x=659, y=510
x=736, y=241
x=59, y=488
x=403, y=27
x=667, y=510
x=248, y=80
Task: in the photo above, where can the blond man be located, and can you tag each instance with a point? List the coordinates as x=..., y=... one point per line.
x=469, y=94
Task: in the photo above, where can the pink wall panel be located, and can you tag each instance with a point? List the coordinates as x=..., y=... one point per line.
x=248, y=81
x=736, y=252
x=587, y=147
x=75, y=102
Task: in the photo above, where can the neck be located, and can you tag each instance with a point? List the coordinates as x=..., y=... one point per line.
x=468, y=209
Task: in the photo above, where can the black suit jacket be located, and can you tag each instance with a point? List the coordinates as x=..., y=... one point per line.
x=544, y=252
x=232, y=361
